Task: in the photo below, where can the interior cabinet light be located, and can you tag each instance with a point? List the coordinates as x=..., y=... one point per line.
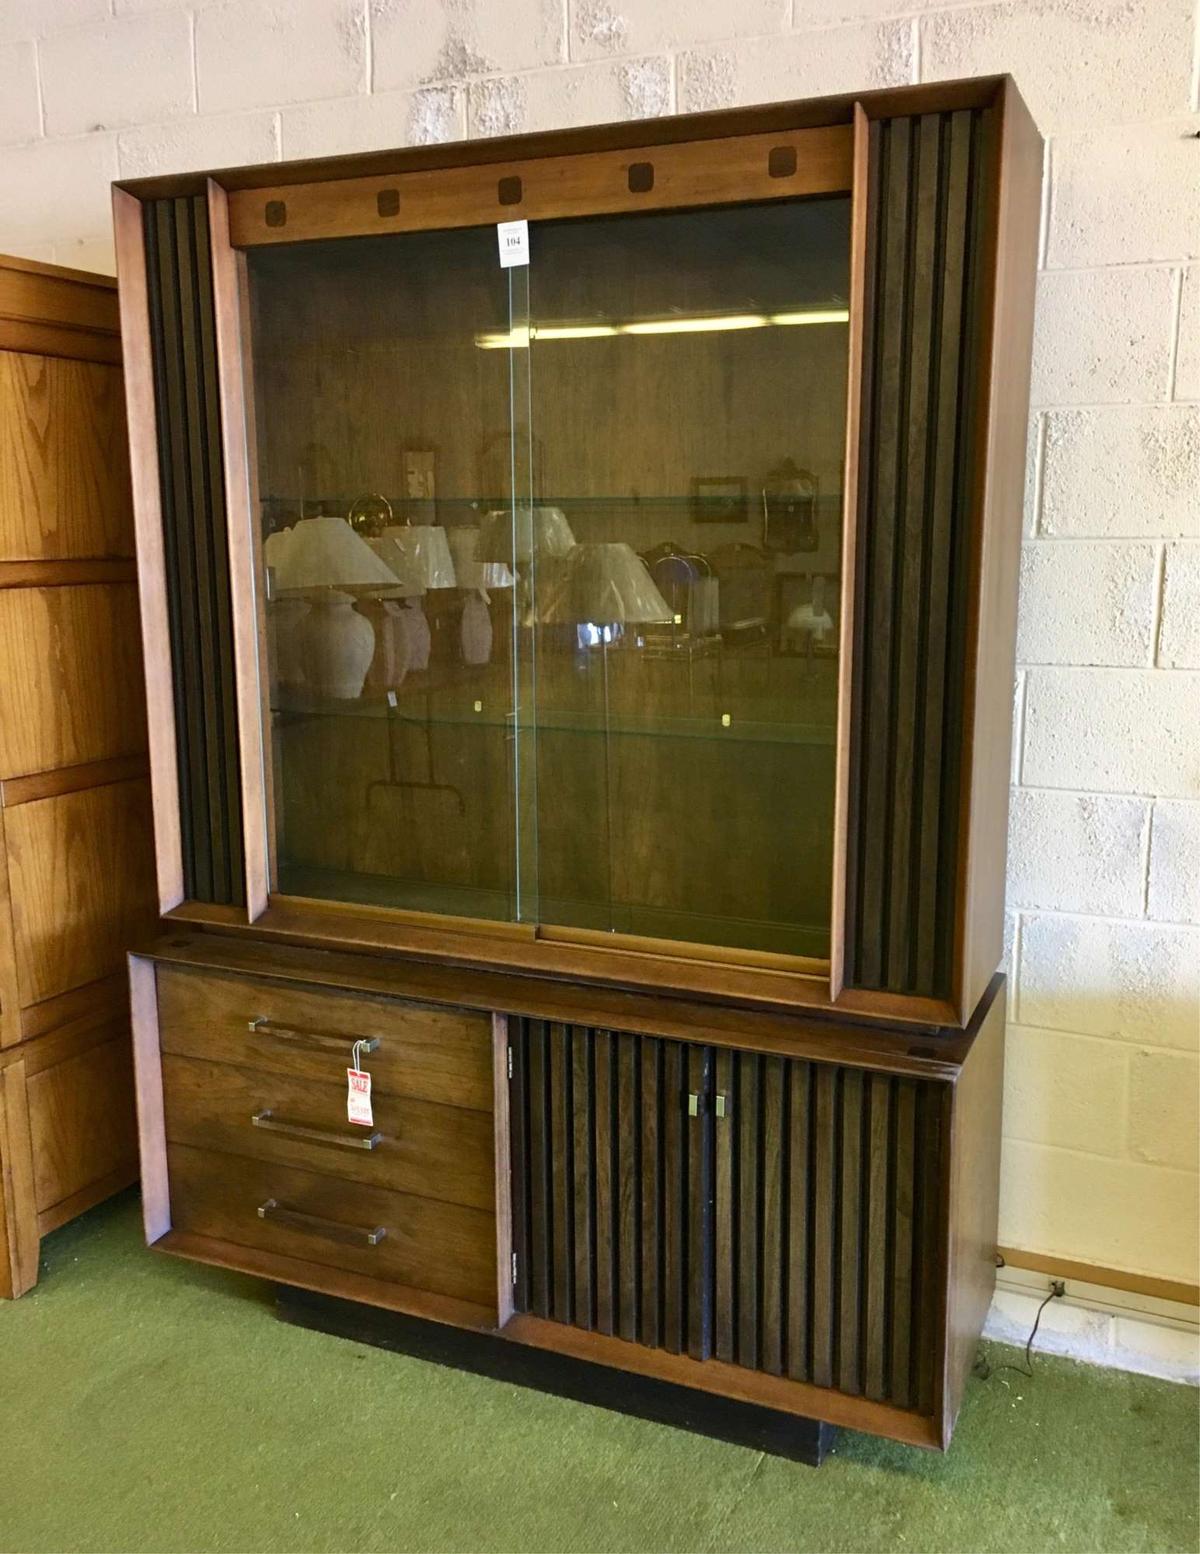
x=520, y=337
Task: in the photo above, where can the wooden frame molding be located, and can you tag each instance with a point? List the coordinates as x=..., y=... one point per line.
x=858, y=301
x=151, y=563
x=1108, y=1278
x=147, y=1070
x=241, y=504
x=587, y=183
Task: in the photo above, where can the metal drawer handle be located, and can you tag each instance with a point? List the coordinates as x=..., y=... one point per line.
x=298, y=1130
x=329, y=1229
x=264, y=1027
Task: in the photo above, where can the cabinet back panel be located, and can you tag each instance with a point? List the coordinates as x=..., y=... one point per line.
x=179, y=282
x=791, y=1224
x=918, y=455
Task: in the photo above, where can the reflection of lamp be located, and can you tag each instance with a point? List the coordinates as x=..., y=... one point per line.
x=420, y=554
x=810, y=622
x=401, y=563
x=469, y=569
x=475, y=626
x=601, y=585
x=283, y=614
x=275, y=547
x=425, y=553
x=520, y=536
x=335, y=644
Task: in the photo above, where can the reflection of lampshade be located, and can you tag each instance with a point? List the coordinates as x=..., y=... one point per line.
x=471, y=572
x=334, y=642
x=403, y=565
x=426, y=553
x=540, y=531
x=810, y=621
x=275, y=548
x=326, y=553
x=603, y=584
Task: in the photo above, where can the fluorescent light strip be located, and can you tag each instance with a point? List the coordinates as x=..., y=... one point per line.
x=695, y=326
x=519, y=338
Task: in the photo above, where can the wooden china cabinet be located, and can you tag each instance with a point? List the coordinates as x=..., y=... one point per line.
x=578, y=583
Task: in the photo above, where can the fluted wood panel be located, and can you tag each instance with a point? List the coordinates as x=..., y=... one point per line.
x=788, y=1222
x=916, y=516
x=179, y=283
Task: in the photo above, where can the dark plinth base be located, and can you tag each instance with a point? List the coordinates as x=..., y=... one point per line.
x=727, y=1419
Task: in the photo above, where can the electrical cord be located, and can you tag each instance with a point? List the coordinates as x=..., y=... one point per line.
x=983, y=1369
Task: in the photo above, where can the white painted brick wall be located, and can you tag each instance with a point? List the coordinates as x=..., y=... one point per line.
x=85, y=85
x=20, y=107
x=1100, y=1159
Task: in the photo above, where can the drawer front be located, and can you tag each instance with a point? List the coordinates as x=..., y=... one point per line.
x=442, y=1055
x=440, y=1247
x=414, y=1146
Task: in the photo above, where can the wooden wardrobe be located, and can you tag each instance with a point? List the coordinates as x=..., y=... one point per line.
x=76, y=852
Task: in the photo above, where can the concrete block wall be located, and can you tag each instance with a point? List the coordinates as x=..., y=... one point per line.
x=1100, y=1160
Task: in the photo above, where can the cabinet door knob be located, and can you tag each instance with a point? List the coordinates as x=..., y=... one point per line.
x=723, y=1107
x=693, y=1104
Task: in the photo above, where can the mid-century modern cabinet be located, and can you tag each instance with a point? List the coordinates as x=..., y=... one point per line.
x=579, y=659
x=76, y=859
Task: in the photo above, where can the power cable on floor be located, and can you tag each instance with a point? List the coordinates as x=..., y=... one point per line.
x=983, y=1369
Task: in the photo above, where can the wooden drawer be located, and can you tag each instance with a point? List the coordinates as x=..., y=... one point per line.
x=442, y=1055
x=415, y=1146
x=440, y=1247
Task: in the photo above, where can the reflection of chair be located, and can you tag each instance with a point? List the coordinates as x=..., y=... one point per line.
x=687, y=584
x=745, y=576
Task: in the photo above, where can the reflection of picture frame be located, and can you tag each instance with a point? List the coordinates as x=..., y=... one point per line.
x=720, y=499
x=419, y=474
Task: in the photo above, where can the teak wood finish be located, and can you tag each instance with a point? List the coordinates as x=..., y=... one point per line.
x=824, y=1245
x=75, y=858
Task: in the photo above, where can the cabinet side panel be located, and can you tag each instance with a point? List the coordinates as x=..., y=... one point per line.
x=916, y=536
x=1012, y=238
x=974, y=1200
x=195, y=547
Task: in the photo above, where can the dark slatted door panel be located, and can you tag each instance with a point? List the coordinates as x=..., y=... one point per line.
x=826, y=1225
x=179, y=283
x=918, y=455
x=768, y=1212
x=612, y=1183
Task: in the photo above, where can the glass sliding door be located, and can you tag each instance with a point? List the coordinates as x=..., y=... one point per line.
x=385, y=454
x=689, y=388
x=554, y=569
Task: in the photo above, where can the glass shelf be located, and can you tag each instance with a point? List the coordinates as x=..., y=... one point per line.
x=707, y=728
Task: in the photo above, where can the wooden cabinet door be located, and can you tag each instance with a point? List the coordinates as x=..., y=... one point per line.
x=769, y=1212
x=612, y=1183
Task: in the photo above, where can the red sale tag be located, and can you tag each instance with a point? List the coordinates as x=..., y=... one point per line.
x=358, y=1097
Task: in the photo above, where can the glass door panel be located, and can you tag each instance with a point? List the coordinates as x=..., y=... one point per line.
x=388, y=481
x=688, y=385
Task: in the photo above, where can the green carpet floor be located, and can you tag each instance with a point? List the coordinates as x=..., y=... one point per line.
x=148, y=1404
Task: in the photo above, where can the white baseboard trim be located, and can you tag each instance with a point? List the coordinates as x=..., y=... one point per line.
x=1100, y=1326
